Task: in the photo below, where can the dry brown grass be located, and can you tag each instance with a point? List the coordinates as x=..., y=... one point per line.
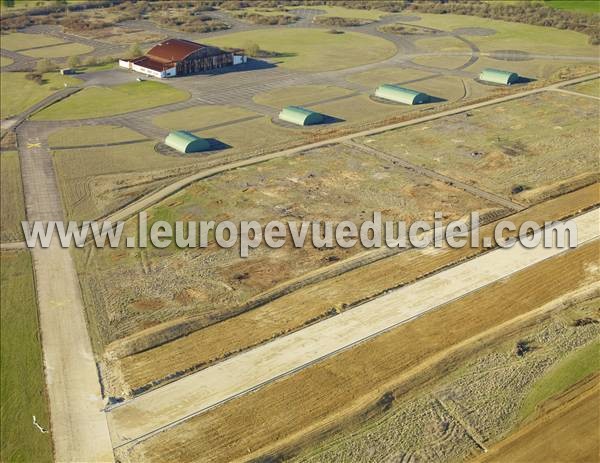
x=314, y=401
x=293, y=311
x=567, y=431
x=211, y=284
x=514, y=161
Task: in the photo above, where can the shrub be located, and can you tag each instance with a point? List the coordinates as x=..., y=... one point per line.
x=45, y=65
x=74, y=62
x=91, y=61
x=252, y=49
x=340, y=22
x=35, y=77
x=135, y=51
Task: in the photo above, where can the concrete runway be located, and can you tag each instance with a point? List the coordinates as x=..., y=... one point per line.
x=79, y=427
x=175, y=402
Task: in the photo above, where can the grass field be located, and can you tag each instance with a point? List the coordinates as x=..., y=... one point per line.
x=570, y=370
x=533, y=69
x=18, y=93
x=59, y=51
x=98, y=67
x=387, y=75
x=584, y=6
x=542, y=167
x=308, y=403
x=212, y=283
x=5, y=61
x=254, y=136
x=19, y=41
x=92, y=135
x=12, y=211
x=300, y=95
x=428, y=425
x=442, y=44
x=514, y=36
x=342, y=12
x=441, y=62
x=312, y=49
x=362, y=108
x=119, y=37
x=566, y=434
x=94, y=102
x=591, y=87
x=22, y=394
x=200, y=116
x=312, y=302
x=96, y=181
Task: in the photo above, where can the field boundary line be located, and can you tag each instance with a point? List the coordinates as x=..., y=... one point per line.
x=10, y=245
x=472, y=189
x=572, y=93
x=360, y=334
x=469, y=430
x=546, y=307
x=149, y=200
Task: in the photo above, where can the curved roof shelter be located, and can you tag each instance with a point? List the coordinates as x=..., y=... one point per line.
x=497, y=76
x=401, y=94
x=186, y=142
x=173, y=50
x=300, y=116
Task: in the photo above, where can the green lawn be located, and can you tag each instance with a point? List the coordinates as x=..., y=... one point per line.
x=386, y=75
x=300, y=95
x=98, y=67
x=532, y=68
x=441, y=62
x=584, y=6
x=22, y=394
x=568, y=371
x=514, y=36
x=200, y=116
x=59, y=51
x=442, y=44
x=20, y=41
x=92, y=135
x=18, y=93
x=5, y=61
x=95, y=102
x=312, y=49
x=12, y=206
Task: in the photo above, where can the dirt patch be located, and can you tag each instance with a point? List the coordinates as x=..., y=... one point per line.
x=147, y=304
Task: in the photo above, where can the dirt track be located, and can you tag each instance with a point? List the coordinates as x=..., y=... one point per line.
x=176, y=402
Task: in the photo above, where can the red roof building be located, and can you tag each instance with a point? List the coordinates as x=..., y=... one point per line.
x=176, y=57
